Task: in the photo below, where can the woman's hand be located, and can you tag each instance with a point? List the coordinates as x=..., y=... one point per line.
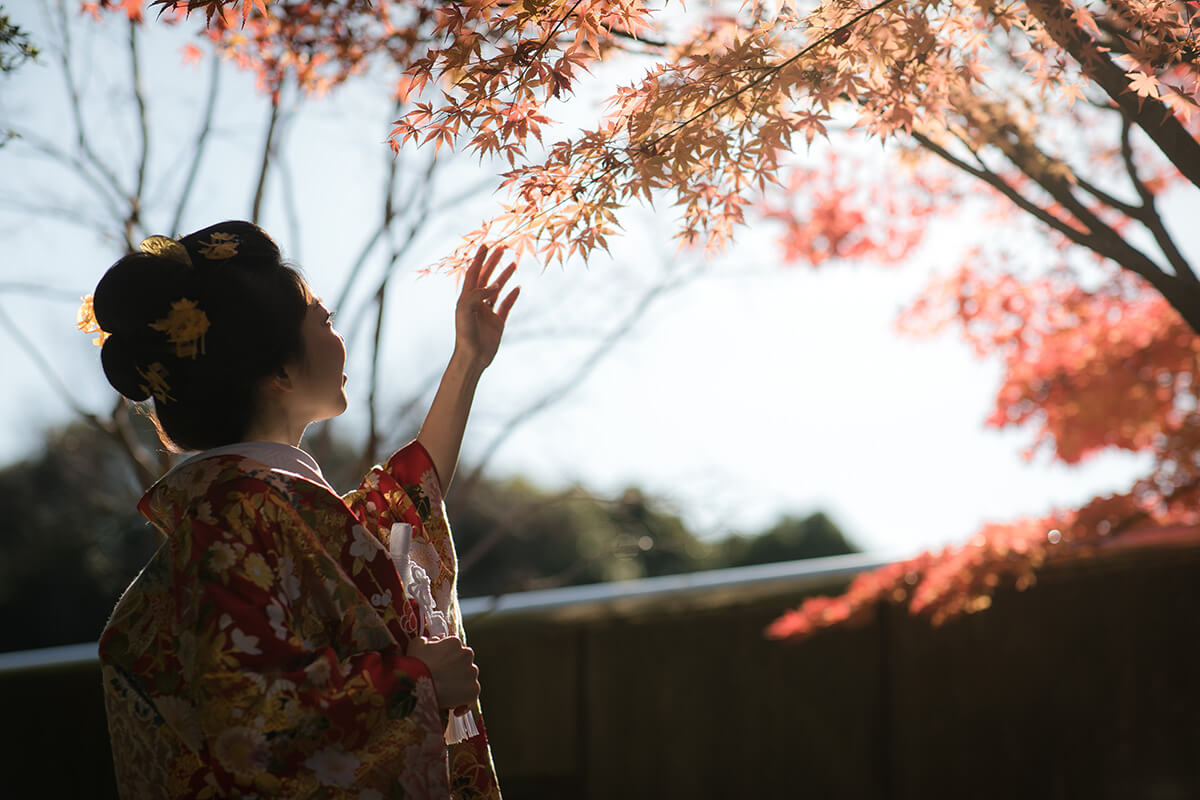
x=479, y=320
x=452, y=665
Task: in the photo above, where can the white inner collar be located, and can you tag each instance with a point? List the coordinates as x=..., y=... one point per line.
x=279, y=457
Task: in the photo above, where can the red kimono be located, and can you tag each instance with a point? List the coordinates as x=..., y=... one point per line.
x=261, y=652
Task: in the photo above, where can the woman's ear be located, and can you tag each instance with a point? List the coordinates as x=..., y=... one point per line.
x=281, y=381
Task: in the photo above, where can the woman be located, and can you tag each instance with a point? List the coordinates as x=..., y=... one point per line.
x=284, y=641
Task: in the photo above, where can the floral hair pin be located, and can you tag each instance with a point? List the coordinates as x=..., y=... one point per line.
x=167, y=248
x=185, y=327
x=85, y=320
x=155, y=378
x=220, y=246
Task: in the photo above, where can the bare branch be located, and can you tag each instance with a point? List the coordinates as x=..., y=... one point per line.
x=59, y=214
x=201, y=145
x=133, y=220
x=43, y=365
x=148, y=468
x=512, y=523
x=385, y=222
x=76, y=107
x=105, y=193
x=401, y=247
x=370, y=451
x=38, y=290
x=267, y=151
x=290, y=210
x=1148, y=213
x=557, y=393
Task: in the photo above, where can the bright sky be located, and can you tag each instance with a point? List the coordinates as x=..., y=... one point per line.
x=750, y=391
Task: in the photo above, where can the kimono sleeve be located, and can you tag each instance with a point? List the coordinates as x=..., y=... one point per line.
x=404, y=489
x=298, y=688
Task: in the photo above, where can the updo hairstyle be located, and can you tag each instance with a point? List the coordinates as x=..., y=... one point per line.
x=242, y=308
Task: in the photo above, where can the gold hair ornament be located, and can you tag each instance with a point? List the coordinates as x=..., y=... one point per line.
x=220, y=246
x=155, y=378
x=167, y=248
x=85, y=320
x=185, y=327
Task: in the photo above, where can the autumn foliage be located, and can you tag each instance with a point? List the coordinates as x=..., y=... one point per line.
x=1082, y=117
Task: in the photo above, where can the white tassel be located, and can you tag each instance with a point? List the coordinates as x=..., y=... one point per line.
x=461, y=728
x=433, y=622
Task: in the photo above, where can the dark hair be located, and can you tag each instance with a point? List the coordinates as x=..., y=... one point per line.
x=254, y=304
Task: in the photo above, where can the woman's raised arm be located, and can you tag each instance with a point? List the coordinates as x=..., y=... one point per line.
x=479, y=326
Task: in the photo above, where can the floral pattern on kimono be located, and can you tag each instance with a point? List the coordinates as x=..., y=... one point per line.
x=261, y=652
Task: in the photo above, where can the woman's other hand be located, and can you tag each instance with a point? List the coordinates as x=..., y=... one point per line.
x=452, y=665
x=480, y=315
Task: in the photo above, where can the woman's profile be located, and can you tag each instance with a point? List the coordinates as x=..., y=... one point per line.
x=284, y=641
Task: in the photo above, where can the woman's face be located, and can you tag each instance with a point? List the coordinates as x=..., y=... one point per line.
x=319, y=381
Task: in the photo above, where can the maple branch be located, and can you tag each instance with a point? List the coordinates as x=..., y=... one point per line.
x=135, y=199
x=624, y=34
x=772, y=70
x=1149, y=113
x=1051, y=175
x=1179, y=292
x=622, y=156
x=201, y=145
x=999, y=184
x=1148, y=213
x=1128, y=209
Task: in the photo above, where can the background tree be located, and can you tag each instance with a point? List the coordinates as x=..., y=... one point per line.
x=790, y=538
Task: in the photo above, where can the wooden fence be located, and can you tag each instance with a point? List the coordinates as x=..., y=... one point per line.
x=1085, y=686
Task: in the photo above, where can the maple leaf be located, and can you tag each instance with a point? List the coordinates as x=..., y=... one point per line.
x=1144, y=85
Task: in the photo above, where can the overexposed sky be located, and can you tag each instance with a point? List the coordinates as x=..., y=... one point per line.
x=748, y=391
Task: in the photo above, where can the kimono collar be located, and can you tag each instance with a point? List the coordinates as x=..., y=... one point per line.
x=291, y=461
x=283, y=465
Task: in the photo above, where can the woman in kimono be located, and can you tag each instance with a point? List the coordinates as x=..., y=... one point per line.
x=284, y=641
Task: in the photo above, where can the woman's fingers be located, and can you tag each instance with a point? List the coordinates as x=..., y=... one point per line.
x=504, y=276
x=507, y=303
x=490, y=265
x=471, y=279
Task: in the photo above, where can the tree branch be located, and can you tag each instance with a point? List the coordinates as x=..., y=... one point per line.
x=1148, y=113
x=87, y=154
x=556, y=394
x=201, y=145
x=1148, y=213
x=370, y=451
x=133, y=220
x=105, y=196
x=267, y=151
